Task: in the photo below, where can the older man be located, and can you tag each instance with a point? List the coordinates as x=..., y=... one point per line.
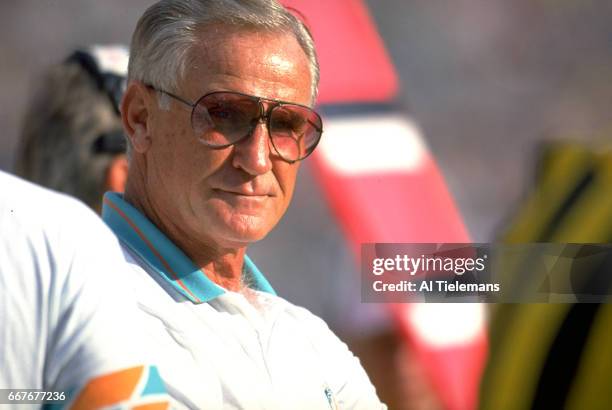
x=218, y=115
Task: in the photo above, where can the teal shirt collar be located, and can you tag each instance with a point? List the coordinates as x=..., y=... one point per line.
x=164, y=257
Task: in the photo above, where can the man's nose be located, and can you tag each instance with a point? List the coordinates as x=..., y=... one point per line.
x=252, y=154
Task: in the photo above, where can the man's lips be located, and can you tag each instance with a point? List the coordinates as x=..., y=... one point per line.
x=243, y=192
x=247, y=202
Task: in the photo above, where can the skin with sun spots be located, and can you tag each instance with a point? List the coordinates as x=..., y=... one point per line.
x=212, y=203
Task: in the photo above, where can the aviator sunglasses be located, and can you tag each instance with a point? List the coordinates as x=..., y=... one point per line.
x=223, y=118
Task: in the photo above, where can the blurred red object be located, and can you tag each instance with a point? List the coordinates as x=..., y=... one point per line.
x=383, y=185
x=355, y=66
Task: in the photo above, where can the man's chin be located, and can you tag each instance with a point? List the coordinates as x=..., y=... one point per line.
x=248, y=230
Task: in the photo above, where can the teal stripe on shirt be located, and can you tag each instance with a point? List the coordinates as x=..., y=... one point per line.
x=165, y=258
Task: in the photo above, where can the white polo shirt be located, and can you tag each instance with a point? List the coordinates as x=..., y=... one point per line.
x=65, y=322
x=218, y=349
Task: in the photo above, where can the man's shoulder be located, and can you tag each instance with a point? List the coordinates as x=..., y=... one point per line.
x=146, y=285
x=135, y=265
x=30, y=211
x=56, y=242
x=20, y=195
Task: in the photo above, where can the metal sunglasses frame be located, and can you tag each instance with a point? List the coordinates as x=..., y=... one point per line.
x=264, y=114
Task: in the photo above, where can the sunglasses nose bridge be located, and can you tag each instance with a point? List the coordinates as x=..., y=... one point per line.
x=264, y=113
x=263, y=117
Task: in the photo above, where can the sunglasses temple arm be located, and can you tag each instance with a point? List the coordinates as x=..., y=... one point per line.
x=179, y=99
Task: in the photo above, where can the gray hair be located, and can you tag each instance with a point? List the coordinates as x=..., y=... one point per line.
x=166, y=32
x=62, y=122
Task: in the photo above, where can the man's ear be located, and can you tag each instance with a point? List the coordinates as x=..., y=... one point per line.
x=116, y=174
x=135, y=107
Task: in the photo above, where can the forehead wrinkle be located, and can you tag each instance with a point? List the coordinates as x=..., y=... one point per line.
x=222, y=53
x=224, y=82
x=215, y=54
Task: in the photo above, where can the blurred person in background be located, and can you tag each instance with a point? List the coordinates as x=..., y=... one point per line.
x=218, y=115
x=71, y=139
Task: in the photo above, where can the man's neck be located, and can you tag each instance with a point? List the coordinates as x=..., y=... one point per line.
x=226, y=270
x=223, y=266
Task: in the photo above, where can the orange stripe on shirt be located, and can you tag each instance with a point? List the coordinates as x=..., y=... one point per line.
x=108, y=389
x=153, y=406
x=151, y=247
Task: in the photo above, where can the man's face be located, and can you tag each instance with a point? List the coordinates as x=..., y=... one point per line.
x=226, y=198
